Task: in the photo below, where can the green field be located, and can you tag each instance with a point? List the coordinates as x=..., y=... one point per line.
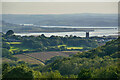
x=14, y=48
x=13, y=42
x=61, y=46
x=70, y=47
x=74, y=47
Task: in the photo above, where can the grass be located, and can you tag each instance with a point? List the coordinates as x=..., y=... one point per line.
x=14, y=48
x=17, y=47
x=70, y=47
x=13, y=42
x=74, y=47
x=61, y=46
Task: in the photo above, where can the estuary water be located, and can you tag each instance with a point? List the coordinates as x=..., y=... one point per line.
x=97, y=32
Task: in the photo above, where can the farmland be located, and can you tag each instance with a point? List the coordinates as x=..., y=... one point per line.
x=40, y=57
x=28, y=59
x=7, y=60
x=17, y=48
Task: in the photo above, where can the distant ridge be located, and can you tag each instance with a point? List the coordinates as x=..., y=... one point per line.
x=83, y=19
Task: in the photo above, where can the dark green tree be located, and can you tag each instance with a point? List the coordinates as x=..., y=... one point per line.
x=5, y=53
x=19, y=73
x=10, y=32
x=85, y=73
x=5, y=68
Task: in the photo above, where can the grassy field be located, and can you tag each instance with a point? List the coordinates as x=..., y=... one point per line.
x=13, y=48
x=18, y=48
x=74, y=47
x=68, y=47
x=14, y=43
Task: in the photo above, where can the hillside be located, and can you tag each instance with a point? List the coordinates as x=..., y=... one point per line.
x=96, y=60
x=111, y=48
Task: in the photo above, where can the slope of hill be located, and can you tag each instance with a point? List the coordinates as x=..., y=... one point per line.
x=97, y=60
x=111, y=48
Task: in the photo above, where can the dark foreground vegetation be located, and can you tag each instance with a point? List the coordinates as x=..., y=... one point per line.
x=98, y=62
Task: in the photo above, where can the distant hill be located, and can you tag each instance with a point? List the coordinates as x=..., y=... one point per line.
x=63, y=19
x=9, y=26
x=17, y=28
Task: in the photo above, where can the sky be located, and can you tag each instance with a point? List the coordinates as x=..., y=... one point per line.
x=59, y=0
x=59, y=7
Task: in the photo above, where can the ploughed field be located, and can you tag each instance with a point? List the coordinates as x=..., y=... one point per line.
x=40, y=57
x=4, y=60
x=28, y=59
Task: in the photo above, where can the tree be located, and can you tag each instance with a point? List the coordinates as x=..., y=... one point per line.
x=85, y=73
x=10, y=32
x=108, y=72
x=52, y=75
x=5, y=68
x=5, y=45
x=42, y=35
x=6, y=53
x=63, y=48
x=19, y=73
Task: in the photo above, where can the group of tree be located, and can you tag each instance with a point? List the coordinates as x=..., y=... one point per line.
x=100, y=62
x=43, y=43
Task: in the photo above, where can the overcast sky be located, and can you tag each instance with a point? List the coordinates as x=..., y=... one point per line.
x=60, y=0
x=59, y=7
